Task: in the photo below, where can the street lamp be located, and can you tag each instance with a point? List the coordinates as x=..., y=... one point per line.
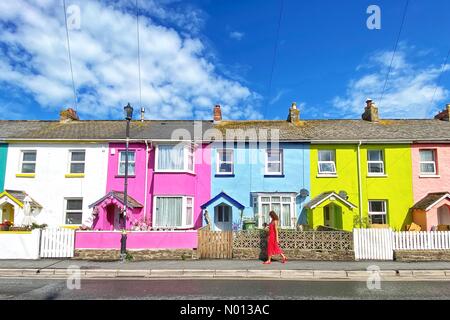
x=128, y=111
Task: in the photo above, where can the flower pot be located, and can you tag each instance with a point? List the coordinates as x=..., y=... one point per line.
x=4, y=227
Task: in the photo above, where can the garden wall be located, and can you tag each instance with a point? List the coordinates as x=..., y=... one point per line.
x=19, y=244
x=422, y=255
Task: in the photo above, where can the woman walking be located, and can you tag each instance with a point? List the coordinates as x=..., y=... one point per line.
x=273, y=247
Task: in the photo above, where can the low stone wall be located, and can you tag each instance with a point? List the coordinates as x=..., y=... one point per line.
x=422, y=255
x=297, y=254
x=136, y=255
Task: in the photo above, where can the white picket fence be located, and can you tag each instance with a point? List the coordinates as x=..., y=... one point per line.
x=57, y=243
x=373, y=244
x=379, y=244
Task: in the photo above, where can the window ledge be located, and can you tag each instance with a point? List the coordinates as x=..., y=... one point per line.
x=26, y=175
x=225, y=175
x=123, y=176
x=429, y=176
x=327, y=176
x=377, y=176
x=175, y=172
x=74, y=175
x=274, y=175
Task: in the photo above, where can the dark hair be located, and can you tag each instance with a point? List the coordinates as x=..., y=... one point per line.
x=273, y=215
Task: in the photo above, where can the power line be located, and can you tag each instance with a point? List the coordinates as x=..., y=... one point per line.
x=70, y=57
x=439, y=77
x=139, y=53
x=405, y=10
x=274, y=53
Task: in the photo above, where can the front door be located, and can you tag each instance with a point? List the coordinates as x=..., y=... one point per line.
x=443, y=215
x=223, y=218
x=327, y=216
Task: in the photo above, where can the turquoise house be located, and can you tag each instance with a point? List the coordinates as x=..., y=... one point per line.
x=248, y=180
x=3, y=157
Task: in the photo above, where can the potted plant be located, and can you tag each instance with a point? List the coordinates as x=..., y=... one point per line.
x=5, y=225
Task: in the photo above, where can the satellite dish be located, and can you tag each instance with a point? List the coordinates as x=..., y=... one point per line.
x=343, y=194
x=304, y=193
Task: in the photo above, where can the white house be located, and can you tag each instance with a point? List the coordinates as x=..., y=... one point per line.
x=61, y=178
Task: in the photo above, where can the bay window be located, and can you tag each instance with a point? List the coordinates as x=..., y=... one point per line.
x=175, y=158
x=282, y=204
x=173, y=212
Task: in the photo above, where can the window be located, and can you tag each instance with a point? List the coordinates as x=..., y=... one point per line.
x=375, y=162
x=175, y=158
x=173, y=212
x=377, y=212
x=327, y=163
x=225, y=158
x=131, y=163
x=223, y=213
x=427, y=162
x=28, y=164
x=282, y=204
x=74, y=211
x=77, y=161
x=274, y=162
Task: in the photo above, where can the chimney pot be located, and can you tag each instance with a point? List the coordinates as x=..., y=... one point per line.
x=68, y=115
x=370, y=111
x=217, y=113
x=294, y=113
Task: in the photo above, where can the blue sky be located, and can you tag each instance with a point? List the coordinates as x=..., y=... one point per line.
x=195, y=54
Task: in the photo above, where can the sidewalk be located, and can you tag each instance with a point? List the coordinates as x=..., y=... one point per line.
x=227, y=269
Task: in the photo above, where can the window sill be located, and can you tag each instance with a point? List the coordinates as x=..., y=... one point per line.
x=225, y=175
x=26, y=175
x=274, y=175
x=175, y=172
x=377, y=176
x=123, y=176
x=327, y=176
x=429, y=176
x=74, y=175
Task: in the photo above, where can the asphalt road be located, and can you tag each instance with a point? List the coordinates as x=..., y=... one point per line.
x=37, y=289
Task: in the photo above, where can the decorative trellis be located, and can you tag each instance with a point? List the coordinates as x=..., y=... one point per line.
x=300, y=240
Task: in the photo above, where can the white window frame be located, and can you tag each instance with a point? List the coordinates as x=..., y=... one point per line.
x=375, y=162
x=188, y=151
x=72, y=211
x=258, y=203
x=433, y=151
x=69, y=169
x=121, y=174
x=280, y=161
x=183, y=213
x=219, y=161
x=230, y=213
x=21, y=162
x=378, y=213
x=319, y=162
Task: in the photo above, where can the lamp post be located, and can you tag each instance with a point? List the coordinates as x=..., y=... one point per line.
x=128, y=110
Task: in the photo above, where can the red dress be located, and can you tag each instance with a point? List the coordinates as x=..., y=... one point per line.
x=272, y=246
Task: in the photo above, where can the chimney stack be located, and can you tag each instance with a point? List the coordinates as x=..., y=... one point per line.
x=68, y=115
x=142, y=114
x=444, y=115
x=217, y=113
x=294, y=113
x=370, y=112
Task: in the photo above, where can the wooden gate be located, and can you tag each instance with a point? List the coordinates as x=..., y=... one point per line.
x=373, y=244
x=215, y=244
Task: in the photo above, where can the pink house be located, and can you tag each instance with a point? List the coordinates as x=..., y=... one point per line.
x=431, y=181
x=167, y=183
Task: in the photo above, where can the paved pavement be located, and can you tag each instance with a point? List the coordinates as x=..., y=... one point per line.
x=226, y=269
x=218, y=289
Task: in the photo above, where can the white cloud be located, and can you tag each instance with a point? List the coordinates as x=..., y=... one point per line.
x=236, y=35
x=409, y=90
x=178, y=79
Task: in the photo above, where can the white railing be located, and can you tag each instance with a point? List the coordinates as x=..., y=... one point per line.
x=57, y=243
x=422, y=240
x=373, y=244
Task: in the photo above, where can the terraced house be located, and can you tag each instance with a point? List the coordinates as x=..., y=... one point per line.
x=183, y=174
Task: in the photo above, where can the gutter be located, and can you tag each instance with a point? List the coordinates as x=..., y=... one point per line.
x=359, y=184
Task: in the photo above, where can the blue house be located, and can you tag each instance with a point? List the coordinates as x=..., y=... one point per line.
x=249, y=179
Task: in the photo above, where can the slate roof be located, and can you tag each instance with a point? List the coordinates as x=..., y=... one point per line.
x=132, y=203
x=323, y=196
x=20, y=195
x=429, y=200
x=305, y=130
